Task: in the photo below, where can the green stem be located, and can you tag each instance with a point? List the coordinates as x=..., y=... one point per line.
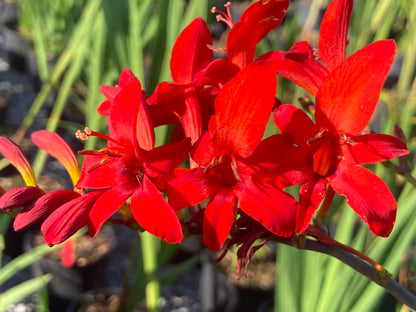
x=149, y=252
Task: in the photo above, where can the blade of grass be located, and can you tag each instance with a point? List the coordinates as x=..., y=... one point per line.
x=23, y=261
x=22, y=290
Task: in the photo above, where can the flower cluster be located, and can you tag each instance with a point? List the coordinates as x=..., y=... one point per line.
x=218, y=171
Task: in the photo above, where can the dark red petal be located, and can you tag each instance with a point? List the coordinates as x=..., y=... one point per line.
x=348, y=96
x=187, y=187
x=190, y=52
x=273, y=208
x=368, y=195
x=42, y=208
x=19, y=197
x=298, y=65
x=243, y=109
x=254, y=24
x=333, y=33
x=310, y=197
x=293, y=121
x=218, y=218
x=154, y=214
x=66, y=220
x=107, y=204
x=165, y=158
x=373, y=148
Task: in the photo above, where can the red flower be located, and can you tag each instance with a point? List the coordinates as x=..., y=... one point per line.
x=184, y=100
x=344, y=105
x=300, y=64
x=230, y=166
x=198, y=79
x=130, y=166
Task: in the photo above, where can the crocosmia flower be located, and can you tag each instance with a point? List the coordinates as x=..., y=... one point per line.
x=131, y=167
x=228, y=173
x=345, y=103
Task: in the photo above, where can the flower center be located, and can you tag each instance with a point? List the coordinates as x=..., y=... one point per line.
x=225, y=166
x=322, y=159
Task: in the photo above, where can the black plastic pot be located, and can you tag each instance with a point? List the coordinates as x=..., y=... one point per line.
x=68, y=283
x=8, y=12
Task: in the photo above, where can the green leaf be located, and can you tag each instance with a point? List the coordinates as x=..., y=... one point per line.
x=21, y=291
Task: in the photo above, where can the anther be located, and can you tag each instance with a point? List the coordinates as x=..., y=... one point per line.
x=224, y=17
x=345, y=139
x=99, y=164
x=317, y=136
x=234, y=168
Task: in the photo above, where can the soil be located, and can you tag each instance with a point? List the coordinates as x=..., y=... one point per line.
x=99, y=302
x=88, y=249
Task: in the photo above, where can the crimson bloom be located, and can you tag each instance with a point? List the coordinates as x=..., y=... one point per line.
x=186, y=101
x=301, y=64
x=130, y=166
x=230, y=165
x=196, y=78
x=345, y=103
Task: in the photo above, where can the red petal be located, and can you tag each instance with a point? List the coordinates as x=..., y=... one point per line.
x=55, y=146
x=129, y=120
x=107, y=204
x=42, y=208
x=243, y=109
x=254, y=24
x=218, y=218
x=348, y=96
x=186, y=187
x=111, y=92
x=68, y=218
x=298, y=65
x=203, y=150
x=373, y=148
x=154, y=214
x=20, y=197
x=106, y=174
x=126, y=77
x=368, y=195
x=333, y=33
x=310, y=197
x=165, y=158
x=166, y=103
x=278, y=161
x=296, y=123
x=190, y=52
x=16, y=157
x=217, y=73
x=273, y=208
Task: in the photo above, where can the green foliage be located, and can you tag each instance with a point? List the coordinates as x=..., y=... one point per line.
x=24, y=289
